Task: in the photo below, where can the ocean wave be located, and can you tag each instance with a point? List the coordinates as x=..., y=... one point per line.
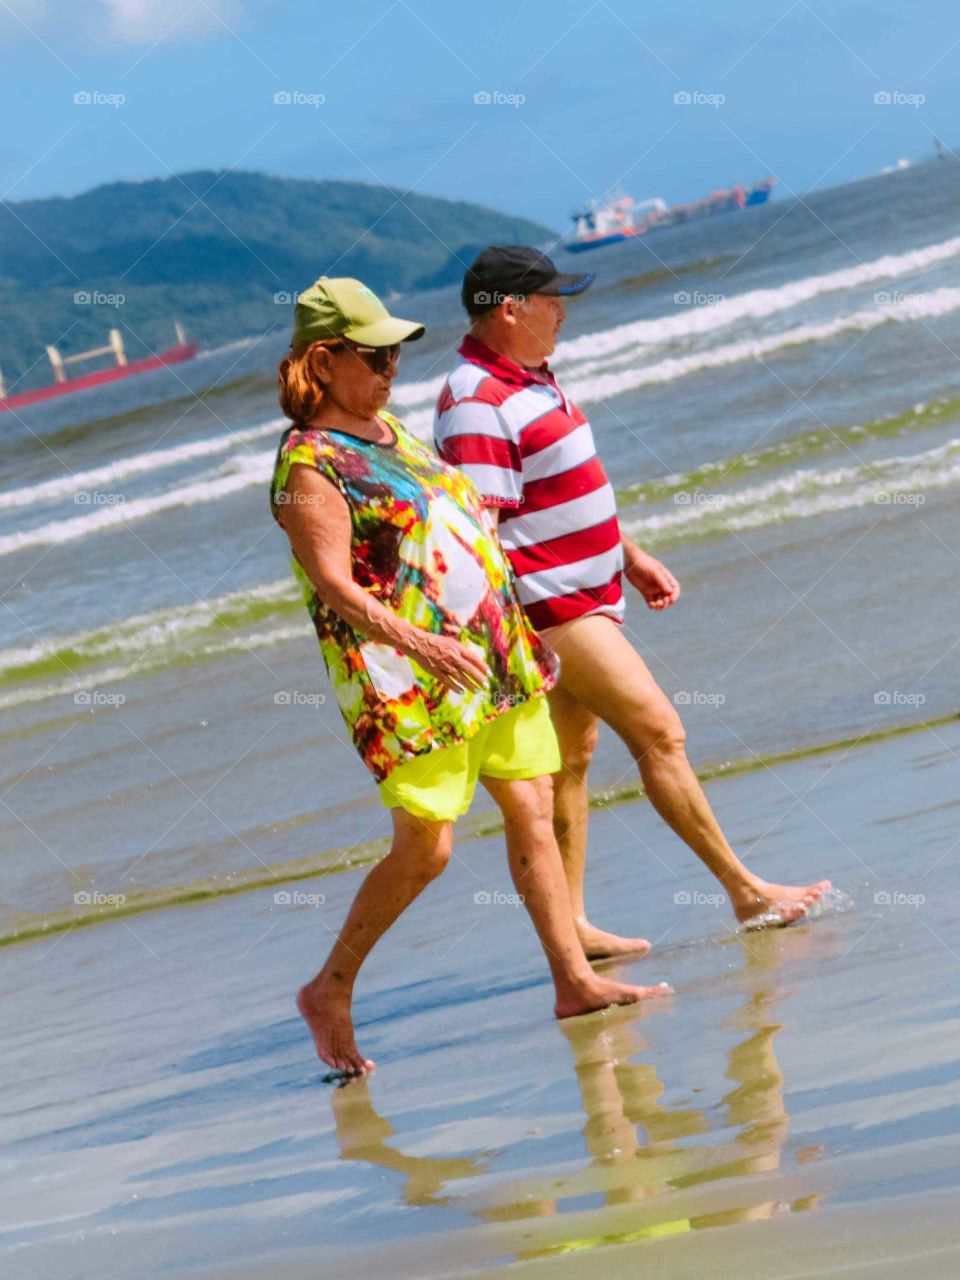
x=580, y=359
x=149, y=641
x=607, y=385
x=254, y=469
x=152, y=661
x=273, y=613
x=898, y=482
x=55, y=490
x=111, y=511
x=691, y=321
x=815, y=443
x=757, y=304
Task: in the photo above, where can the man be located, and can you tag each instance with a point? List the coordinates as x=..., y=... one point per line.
x=503, y=419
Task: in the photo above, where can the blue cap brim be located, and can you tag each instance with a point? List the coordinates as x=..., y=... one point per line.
x=563, y=286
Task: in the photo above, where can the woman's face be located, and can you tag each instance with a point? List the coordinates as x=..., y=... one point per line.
x=358, y=379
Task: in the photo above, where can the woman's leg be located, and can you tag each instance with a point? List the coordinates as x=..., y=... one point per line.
x=527, y=808
x=419, y=852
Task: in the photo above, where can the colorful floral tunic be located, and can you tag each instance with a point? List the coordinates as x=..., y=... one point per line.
x=425, y=546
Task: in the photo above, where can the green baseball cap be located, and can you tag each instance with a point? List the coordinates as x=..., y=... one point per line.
x=345, y=308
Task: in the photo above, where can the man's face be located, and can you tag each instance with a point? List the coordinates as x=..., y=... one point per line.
x=538, y=322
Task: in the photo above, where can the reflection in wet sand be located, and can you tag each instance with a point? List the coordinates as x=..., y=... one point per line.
x=362, y=1134
x=629, y=1131
x=641, y=1149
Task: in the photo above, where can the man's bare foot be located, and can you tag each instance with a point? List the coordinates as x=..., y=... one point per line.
x=327, y=1014
x=589, y=996
x=600, y=945
x=765, y=905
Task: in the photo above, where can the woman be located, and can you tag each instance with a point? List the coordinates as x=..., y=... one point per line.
x=431, y=659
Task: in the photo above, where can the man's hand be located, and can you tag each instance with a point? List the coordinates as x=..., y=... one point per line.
x=652, y=579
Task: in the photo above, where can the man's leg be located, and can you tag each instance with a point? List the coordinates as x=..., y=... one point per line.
x=419, y=852
x=601, y=669
x=527, y=808
x=576, y=727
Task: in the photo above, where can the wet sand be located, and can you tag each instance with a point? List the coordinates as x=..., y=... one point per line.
x=791, y=1111
x=799, y=1087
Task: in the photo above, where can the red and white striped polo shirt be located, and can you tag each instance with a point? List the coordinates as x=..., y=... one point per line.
x=531, y=452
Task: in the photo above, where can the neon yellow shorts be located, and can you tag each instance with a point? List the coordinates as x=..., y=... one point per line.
x=439, y=785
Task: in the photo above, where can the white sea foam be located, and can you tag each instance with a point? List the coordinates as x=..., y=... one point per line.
x=754, y=305
x=899, y=482
x=254, y=469
x=110, y=513
x=111, y=473
x=145, y=643
x=576, y=359
x=173, y=624
x=149, y=663
x=694, y=320
x=606, y=385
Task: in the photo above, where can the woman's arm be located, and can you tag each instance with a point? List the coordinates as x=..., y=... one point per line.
x=316, y=519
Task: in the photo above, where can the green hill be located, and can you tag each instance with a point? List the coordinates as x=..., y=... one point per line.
x=214, y=250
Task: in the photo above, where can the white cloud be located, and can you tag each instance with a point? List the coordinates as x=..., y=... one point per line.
x=135, y=23
x=140, y=21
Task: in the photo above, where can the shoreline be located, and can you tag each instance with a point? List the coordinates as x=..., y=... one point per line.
x=319, y=865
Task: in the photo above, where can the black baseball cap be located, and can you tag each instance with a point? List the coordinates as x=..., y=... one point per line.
x=506, y=270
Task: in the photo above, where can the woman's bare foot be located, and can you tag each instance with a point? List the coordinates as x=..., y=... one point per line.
x=600, y=945
x=774, y=904
x=588, y=996
x=326, y=1012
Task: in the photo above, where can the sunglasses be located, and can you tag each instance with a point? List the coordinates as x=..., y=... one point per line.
x=377, y=359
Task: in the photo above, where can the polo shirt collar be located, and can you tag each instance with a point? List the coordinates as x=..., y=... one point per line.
x=499, y=366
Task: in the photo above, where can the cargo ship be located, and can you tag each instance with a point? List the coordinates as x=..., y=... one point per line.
x=121, y=368
x=620, y=217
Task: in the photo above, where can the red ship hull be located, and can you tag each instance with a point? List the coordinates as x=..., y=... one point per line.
x=184, y=351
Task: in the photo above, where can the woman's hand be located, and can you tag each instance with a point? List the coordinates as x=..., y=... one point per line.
x=457, y=666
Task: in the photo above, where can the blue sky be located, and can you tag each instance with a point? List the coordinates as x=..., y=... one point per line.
x=384, y=91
